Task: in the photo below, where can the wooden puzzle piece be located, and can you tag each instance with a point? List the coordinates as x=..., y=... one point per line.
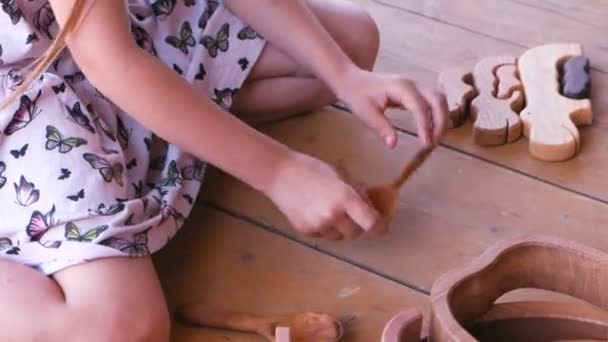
x=576, y=82
x=458, y=88
x=282, y=334
x=496, y=121
x=508, y=82
x=550, y=118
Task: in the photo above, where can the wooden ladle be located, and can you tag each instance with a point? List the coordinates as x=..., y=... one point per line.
x=303, y=327
x=385, y=197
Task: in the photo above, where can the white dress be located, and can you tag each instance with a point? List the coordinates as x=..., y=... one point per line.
x=79, y=178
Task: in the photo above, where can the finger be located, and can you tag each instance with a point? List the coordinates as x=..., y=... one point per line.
x=439, y=112
x=332, y=235
x=348, y=228
x=408, y=95
x=362, y=213
x=374, y=117
x=380, y=229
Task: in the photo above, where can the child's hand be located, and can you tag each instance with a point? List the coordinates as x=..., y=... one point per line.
x=369, y=95
x=318, y=202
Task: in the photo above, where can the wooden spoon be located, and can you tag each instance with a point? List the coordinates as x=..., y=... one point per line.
x=303, y=327
x=385, y=198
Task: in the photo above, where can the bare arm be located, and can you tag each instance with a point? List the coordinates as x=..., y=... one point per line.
x=292, y=27
x=161, y=100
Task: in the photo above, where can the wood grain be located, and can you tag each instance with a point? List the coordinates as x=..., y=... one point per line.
x=457, y=83
x=232, y=265
x=508, y=82
x=452, y=209
x=550, y=119
x=421, y=46
x=495, y=121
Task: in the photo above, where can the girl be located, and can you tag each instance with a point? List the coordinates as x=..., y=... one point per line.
x=103, y=141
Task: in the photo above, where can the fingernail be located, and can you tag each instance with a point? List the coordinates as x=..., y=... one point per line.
x=389, y=140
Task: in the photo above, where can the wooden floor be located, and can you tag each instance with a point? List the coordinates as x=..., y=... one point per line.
x=238, y=251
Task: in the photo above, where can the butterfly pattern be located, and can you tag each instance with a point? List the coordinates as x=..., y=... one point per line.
x=82, y=170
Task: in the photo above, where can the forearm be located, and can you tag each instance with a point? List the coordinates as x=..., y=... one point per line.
x=175, y=111
x=300, y=35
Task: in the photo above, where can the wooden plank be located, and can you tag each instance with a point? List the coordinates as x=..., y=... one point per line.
x=420, y=47
x=451, y=210
x=230, y=264
x=514, y=22
x=585, y=12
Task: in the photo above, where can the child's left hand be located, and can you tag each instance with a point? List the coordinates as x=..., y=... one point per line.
x=369, y=95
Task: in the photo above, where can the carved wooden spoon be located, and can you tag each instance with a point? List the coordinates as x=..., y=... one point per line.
x=303, y=327
x=385, y=198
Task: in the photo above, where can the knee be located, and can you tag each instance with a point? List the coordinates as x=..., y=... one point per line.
x=120, y=325
x=364, y=38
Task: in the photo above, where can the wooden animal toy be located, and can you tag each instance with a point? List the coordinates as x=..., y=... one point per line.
x=302, y=327
x=576, y=80
x=463, y=307
x=550, y=119
x=496, y=120
x=457, y=83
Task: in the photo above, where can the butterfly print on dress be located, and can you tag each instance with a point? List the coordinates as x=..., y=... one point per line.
x=183, y=39
x=219, y=43
x=54, y=139
x=73, y=233
x=6, y=246
x=77, y=197
x=163, y=8
x=20, y=152
x=137, y=247
x=143, y=40
x=78, y=117
x=26, y=113
x=2, y=177
x=26, y=192
x=39, y=224
x=212, y=6
x=43, y=19
x=108, y=171
x=247, y=33
x=114, y=209
x=10, y=7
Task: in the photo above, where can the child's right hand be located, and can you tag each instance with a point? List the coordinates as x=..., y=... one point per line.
x=318, y=202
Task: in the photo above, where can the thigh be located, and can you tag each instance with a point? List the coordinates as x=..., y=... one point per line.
x=352, y=27
x=129, y=282
x=121, y=296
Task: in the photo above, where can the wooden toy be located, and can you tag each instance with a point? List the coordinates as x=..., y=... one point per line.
x=406, y=326
x=385, y=198
x=538, y=262
x=283, y=334
x=463, y=305
x=576, y=80
x=550, y=118
x=508, y=82
x=541, y=321
x=457, y=83
x=496, y=121
x=303, y=327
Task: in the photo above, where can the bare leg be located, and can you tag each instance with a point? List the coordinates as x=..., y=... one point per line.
x=278, y=87
x=115, y=299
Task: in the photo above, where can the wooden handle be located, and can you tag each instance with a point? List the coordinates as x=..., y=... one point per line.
x=413, y=165
x=202, y=315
